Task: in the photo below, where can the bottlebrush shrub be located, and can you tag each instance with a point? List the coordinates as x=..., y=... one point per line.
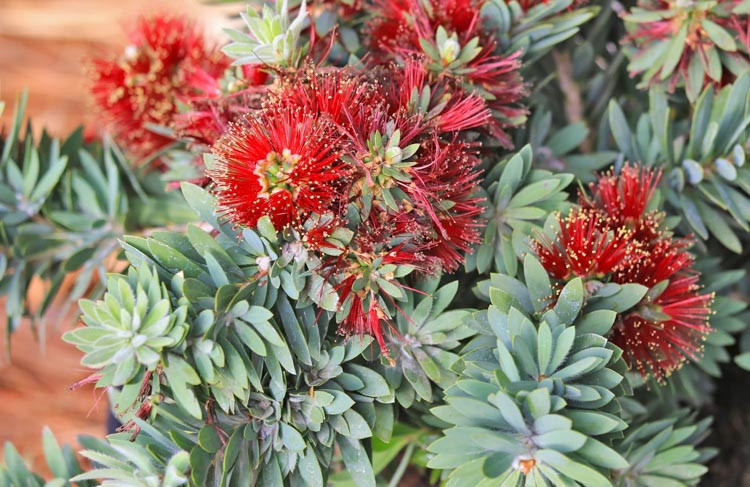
x=247, y=352
x=533, y=399
x=64, y=205
x=450, y=237
x=62, y=462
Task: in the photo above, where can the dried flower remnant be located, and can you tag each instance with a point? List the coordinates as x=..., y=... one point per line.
x=207, y=117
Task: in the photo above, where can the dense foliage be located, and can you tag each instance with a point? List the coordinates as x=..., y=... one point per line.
x=496, y=243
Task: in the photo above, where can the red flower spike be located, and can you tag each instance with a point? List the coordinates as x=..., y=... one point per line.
x=450, y=110
x=322, y=139
x=624, y=197
x=343, y=95
x=284, y=165
x=209, y=118
x=168, y=61
x=389, y=27
x=613, y=238
x=586, y=248
x=660, y=261
x=360, y=321
x=659, y=335
x=405, y=29
x=449, y=174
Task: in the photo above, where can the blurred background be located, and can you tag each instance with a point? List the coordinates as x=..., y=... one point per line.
x=44, y=47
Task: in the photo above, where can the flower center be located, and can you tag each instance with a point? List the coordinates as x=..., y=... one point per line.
x=449, y=50
x=273, y=173
x=693, y=15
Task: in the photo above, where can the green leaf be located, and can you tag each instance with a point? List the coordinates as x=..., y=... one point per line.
x=721, y=37
x=54, y=455
x=570, y=301
x=179, y=374
x=310, y=469
x=357, y=461
x=375, y=384
x=538, y=402
x=293, y=331
x=576, y=471
x=208, y=439
x=323, y=293
x=601, y=455
x=544, y=347
x=266, y=229
x=358, y=427
x=719, y=228
x=538, y=283
x=674, y=53
x=561, y=440
x=250, y=338
x=510, y=411
x=625, y=298
x=620, y=130
x=599, y=322
x=201, y=201
x=743, y=360
x=291, y=438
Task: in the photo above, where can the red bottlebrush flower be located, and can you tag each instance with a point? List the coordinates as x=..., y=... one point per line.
x=333, y=147
x=448, y=35
x=624, y=198
x=282, y=164
x=360, y=322
x=703, y=29
x=392, y=28
x=448, y=197
x=456, y=236
x=613, y=238
x=389, y=28
x=345, y=96
x=209, y=118
x=586, y=247
x=364, y=314
x=254, y=75
x=449, y=110
x=661, y=260
x=168, y=61
x=659, y=334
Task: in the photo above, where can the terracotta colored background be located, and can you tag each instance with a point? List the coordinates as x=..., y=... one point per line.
x=44, y=45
